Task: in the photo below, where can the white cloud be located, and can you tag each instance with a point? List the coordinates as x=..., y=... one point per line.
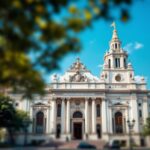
x=131, y=47
x=100, y=66
x=138, y=45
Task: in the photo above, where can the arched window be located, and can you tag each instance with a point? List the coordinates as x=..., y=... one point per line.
x=77, y=114
x=109, y=63
x=118, y=122
x=125, y=63
x=58, y=110
x=115, y=45
x=58, y=131
x=40, y=122
x=98, y=110
x=98, y=130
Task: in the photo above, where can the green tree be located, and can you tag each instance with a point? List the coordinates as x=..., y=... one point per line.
x=10, y=118
x=146, y=129
x=47, y=30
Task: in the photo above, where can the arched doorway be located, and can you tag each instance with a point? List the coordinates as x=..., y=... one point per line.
x=58, y=131
x=118, y=122
x=77, y=114
x=40, y=122
x=77, y=125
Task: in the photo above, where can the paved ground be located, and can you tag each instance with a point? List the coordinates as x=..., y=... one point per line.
x=60, y=145
x=65, y=145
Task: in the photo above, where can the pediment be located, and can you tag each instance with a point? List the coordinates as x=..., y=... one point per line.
x=76, y=73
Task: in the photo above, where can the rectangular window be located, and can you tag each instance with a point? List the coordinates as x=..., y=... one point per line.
x=115, y=45
x=109, y=64
x=116, y=65
x=59, y=110
x=117, y=62
x=140, y=113
x=98, y=110
x=125, y=66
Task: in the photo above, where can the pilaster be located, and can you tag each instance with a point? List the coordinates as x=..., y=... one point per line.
x=93, y=136
x=145, y=109
x=104, y=119
x=63, y=116
x=135, y=112
x=86, y=115
x=53, y=118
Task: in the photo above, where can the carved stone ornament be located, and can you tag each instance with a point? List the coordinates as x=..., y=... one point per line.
x=78, y=66
x=78, y=77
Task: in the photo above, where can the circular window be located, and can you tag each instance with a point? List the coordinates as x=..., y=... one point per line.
x=118, y=78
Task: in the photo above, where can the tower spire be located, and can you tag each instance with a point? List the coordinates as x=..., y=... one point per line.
x=115, y=42
x=114, y=36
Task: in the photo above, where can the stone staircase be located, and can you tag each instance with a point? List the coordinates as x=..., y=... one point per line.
x=74, y=143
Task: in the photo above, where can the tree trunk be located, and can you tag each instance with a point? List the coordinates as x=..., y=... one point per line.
x=11, y=137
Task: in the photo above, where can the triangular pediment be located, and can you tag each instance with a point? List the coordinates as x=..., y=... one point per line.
x=76, y=73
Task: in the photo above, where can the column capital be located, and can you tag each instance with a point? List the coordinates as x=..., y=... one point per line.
x=104, y=99
x=87, y=98
x=62, y=98
x=65, y=98
x=53, y=98
x=93, y=98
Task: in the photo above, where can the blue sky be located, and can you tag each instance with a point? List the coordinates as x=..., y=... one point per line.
x=135, y=37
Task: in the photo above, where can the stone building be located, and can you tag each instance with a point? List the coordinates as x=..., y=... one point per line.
x=79, y=105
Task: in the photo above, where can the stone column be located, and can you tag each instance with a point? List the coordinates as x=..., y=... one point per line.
x=63, y=116
x=47, y=120
x=110, y=121
x=104, y=119
x=122, y=62
x=53, y=117
x=135, y=113
x=93, y=116
x=145, y=110
x=104, y=116
x=127, y=117
x=86, y=117
x=135, y=116
x=68, y=119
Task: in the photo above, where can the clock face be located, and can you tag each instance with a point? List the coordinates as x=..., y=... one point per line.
x=118, y=77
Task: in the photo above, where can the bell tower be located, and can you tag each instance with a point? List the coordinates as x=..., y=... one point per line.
x=116, y=67
x=116, y=57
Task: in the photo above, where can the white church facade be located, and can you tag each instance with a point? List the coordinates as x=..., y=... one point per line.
x=79, y=105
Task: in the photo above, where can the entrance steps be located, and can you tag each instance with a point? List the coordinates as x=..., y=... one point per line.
x=74, y=143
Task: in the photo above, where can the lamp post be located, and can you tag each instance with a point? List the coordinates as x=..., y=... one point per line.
x=130, y=125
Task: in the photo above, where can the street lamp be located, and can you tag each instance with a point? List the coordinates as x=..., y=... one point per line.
x=130, y=125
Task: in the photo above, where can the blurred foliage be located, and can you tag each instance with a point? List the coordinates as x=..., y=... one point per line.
x=146, y=130
x=10, y=118
x=2, y=135
x=47, y=29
